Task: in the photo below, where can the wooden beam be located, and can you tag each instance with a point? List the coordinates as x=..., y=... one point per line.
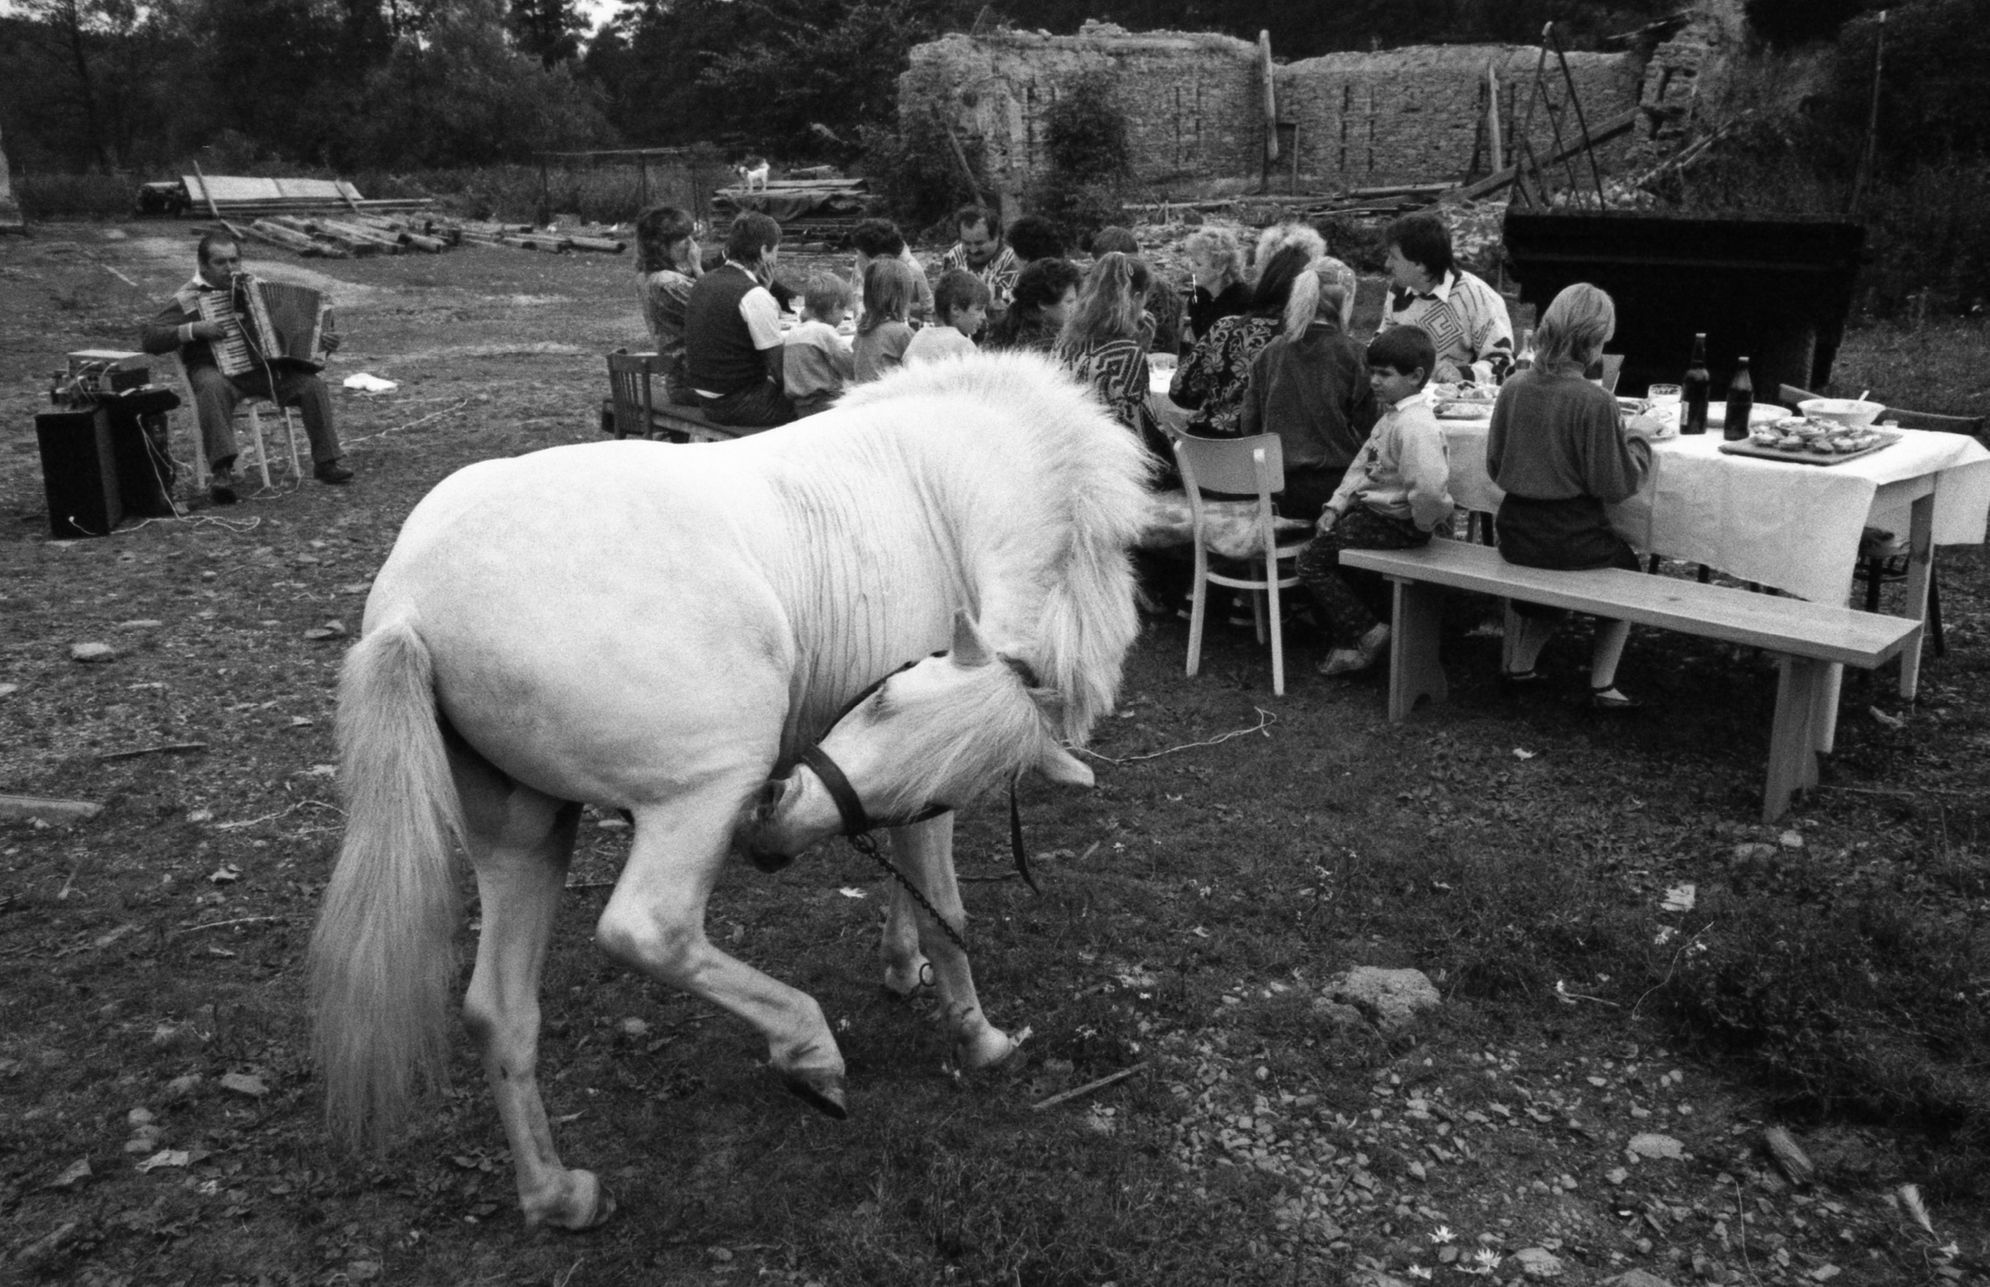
x=1601, y=134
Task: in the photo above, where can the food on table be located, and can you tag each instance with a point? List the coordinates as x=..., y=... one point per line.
x=1818, y=438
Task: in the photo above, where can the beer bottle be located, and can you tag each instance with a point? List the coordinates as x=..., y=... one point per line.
x=1740, y=401
x=1694, y=388
x=1524, y=359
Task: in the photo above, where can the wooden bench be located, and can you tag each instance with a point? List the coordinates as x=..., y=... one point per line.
x=1808, y=638
x=675, y=422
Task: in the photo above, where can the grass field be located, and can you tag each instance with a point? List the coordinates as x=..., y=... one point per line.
x=1592, y=1090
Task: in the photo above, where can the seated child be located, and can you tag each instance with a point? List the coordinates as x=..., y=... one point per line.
x=1393, y=497
x=960, y=304
x=814, y=364
x=883, y=334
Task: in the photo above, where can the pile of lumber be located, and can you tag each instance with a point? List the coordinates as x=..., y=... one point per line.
x=818, y=209
x=348, y=236
x=233, y=197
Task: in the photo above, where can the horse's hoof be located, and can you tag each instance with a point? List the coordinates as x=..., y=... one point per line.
x=1002, y=1067
x=823, y=1091
x=587, y=1206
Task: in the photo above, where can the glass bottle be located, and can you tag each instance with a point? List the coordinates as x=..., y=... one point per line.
x=1740, y=401
x=1524, y=358
x=1694, y=388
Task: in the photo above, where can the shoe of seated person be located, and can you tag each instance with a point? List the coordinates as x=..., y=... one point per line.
x=332, y=471
x=1363, y=656
x=221, y=487
x=1612, y=698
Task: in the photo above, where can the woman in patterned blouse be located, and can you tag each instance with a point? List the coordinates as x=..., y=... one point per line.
x=1102, y=342
x=1211, y=380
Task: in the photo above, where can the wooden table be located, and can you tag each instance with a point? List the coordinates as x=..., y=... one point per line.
x=1793, y=527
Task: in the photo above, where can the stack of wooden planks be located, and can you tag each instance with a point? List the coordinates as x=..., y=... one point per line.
x=808, y=209
x=357, y=235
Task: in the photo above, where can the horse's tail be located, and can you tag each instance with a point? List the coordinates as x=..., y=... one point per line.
x=380, y=962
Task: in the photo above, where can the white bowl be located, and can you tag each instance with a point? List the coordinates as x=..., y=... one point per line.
x=1849, y=412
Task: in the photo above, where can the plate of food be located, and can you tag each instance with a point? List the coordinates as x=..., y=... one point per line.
x=1464, y=410
x=1810, y=442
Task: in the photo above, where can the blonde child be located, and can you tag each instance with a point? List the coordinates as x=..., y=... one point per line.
x=815, y=364
x=961, y=304
x=884, y=334
x=1393, y=498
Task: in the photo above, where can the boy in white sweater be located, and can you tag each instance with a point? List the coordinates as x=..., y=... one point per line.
x=1394, y=496
x=960, y=306
x=815, y=361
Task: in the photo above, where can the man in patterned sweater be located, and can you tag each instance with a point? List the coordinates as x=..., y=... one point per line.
x=1463, y=316
x=982, y=251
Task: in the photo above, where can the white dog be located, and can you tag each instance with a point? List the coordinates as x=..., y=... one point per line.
x=753, y=171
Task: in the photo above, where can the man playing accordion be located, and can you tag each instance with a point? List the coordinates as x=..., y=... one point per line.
x=199, y=320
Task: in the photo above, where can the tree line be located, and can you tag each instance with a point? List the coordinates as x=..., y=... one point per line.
x=117, y=85
x=398, y=85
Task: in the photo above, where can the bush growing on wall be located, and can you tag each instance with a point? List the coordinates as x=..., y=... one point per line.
x=913, y=167
x=1085, y=139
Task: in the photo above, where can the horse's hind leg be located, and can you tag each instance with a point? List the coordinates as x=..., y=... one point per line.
x=926, y=855
x=655, y=922
x=520, y=842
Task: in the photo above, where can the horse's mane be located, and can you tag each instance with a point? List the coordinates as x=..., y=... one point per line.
x=1056, y=492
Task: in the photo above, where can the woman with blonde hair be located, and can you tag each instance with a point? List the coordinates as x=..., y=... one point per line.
x=1211, y=380
x=1216, y=270
x=1310, y=387
x=1561, y=450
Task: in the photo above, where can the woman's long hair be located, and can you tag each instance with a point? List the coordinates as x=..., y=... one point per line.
x=1276, y=275
x=1109, y=306
x=658, y=230
x=1575, y=326
x=1325, y=289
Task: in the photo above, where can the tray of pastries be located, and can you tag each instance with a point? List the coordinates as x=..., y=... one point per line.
x=1810, y=442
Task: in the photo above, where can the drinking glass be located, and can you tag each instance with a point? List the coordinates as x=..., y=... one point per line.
x=1664, y=395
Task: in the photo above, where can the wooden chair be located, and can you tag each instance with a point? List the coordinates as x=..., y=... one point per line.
x=630, y=394
x=254, y=406
x=1252, y=467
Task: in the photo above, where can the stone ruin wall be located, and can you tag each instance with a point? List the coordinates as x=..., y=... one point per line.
x=1195, y=110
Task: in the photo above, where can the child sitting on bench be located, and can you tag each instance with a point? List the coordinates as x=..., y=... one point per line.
x=1561, y=451
x=814, y=363
x=1393, y=497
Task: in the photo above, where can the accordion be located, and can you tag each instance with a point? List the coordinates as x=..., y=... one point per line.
x=270, y=324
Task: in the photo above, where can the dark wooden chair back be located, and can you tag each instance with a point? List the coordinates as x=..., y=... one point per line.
x=629, y=388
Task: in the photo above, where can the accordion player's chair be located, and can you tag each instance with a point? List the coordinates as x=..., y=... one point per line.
x=1252, y=467
x=254, y=406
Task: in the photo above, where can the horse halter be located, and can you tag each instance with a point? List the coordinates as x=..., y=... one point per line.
x=857, y=821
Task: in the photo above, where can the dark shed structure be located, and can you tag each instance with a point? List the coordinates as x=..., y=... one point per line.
x=1775, y=290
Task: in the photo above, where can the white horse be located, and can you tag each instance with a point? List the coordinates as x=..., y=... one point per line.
x=663, y=630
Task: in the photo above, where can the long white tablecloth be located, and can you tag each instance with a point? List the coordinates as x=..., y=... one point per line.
x=1776, y=523
x=1794, y=527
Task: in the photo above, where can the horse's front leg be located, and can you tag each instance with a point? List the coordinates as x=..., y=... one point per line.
x=926, y=855
x=520, y=843
x=655, y=923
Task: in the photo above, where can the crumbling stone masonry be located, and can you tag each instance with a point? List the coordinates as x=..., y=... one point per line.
x=1195, y=106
